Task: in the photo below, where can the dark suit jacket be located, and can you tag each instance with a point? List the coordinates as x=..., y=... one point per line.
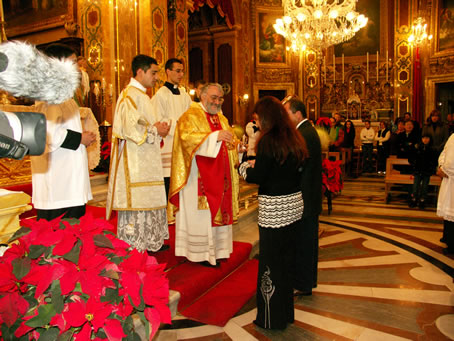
x=311, y=183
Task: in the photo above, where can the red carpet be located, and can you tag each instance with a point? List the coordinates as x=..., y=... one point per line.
x=219, y=304
x=192, y=279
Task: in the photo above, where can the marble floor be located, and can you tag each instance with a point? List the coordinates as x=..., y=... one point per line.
x=382, y=276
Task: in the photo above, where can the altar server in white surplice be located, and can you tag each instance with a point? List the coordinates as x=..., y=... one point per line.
x=136, y=186
x=169, y=103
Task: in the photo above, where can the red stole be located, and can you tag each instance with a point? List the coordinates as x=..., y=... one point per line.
x=215, y=180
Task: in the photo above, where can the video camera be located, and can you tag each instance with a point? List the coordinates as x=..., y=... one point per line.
x=26, y=72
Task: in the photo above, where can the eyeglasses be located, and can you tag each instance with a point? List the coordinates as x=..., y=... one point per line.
x=216, y=98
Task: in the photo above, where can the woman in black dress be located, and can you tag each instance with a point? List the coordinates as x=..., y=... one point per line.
x=277, y=170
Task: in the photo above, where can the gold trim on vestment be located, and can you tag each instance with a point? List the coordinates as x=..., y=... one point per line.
x=127, y=177
x=202, y=203
x=149, y=183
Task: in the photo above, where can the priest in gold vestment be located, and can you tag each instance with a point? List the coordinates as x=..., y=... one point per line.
x=204, y=183
x=136, y=186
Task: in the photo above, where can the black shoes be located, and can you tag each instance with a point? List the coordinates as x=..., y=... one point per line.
x=164, y=247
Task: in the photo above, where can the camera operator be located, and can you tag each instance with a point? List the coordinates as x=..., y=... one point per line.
x=60, y=177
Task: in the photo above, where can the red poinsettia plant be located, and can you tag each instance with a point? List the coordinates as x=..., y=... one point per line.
x=332, y=176
x=74, y=280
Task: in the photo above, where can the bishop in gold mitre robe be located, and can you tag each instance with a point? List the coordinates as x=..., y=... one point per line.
x=204, y=186
x=136, y=186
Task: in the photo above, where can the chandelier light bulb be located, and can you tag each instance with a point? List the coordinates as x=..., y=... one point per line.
x=350, y=16
x=318, y=14
x=287, y=20
x=301, y=17
x=333, y=14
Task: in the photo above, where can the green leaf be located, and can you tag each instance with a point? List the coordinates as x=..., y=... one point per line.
x=36, y=251
x=112, y=274
x=72, y=221
x=66, y=336
x=112, y=295
x=101, y=334
x=57, y=298
x=45, y=314
x=8, y=332
x=73, y=255
x=50, y=334
x=115, y=259
x=19, y=233
x=145, y=322
x=21, y=267
x=102, y=241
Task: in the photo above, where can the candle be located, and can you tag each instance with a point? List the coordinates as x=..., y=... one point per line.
x=103, y=83
x=334, y=68
x=342, y=68
x=367, y=67
x=110, y=89
x=377, y=66
x=386, y=66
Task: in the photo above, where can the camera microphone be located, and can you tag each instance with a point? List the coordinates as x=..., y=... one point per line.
x=27, y=72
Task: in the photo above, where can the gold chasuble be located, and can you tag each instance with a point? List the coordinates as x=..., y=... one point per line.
x=214, y=189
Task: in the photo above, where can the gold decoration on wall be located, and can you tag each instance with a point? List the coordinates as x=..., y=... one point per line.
x=274, y=75
x=13, y=172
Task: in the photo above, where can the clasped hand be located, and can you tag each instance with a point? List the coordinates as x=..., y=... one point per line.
x=162, y=128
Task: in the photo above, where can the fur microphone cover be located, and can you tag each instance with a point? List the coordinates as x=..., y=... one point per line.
x=26, y=72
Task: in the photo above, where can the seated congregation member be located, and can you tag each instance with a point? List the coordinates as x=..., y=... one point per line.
x=277, y=170
x=394, y=139
x=60, y=177
x=367, y=141
x=416, y=126
x=136, y=185
x=407, y=140
x=423, y=159
x=204, y=183
x=382, y=137
x=437, y=130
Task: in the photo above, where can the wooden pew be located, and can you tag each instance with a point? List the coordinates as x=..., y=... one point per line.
x=394, y=177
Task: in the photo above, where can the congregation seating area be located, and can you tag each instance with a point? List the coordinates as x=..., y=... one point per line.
x=395, y=177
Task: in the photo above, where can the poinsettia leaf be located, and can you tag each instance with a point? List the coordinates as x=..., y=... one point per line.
x=72, y=221
x=66, y=336
x=21, y=267
x=114, y=258
x=110, y=274
x=50, y=334
x=113, y=330
x=145, y=322
x=45, y=314
x=101, y=240
x=57, y=298
x=8, y=331
x=111, y=295
x=19, y=233
x=36, y=251
x=73, y=255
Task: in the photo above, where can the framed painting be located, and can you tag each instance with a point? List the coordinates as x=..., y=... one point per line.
x=270, y=47
x=373, y=36
x=443, y=22
x=26, y=16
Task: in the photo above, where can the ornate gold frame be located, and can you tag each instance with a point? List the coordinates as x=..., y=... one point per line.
x=288, y=87
x=22, y=27
x=430, y=84
x=258, y=63
x=434, y=26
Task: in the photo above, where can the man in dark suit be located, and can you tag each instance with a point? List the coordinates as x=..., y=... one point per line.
x=306, y=258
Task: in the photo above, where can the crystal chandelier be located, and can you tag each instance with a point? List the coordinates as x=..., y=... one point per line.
x=418, y=32
x=318, y=24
